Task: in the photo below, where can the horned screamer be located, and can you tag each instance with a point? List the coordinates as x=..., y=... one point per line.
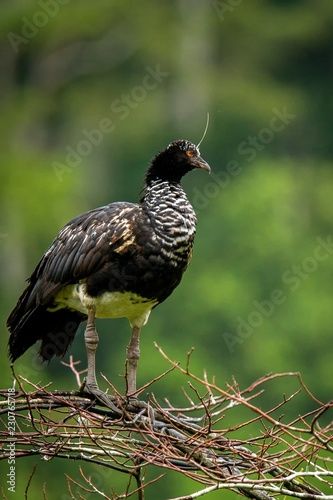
x=120, y=260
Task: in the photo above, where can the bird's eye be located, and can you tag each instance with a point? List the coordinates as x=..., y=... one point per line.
x=189, y=153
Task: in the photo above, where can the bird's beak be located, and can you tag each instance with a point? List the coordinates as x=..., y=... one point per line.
x=201, y=163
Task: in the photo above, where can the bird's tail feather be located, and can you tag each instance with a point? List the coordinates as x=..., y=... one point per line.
x=56, y=330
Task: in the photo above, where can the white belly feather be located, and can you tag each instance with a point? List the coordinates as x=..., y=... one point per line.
x=107, y=305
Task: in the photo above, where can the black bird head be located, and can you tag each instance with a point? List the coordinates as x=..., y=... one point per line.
x=175, y=161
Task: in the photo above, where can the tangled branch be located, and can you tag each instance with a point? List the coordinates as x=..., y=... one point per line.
x=291, y=458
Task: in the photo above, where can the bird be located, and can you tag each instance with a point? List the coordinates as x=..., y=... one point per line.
x=119, y=260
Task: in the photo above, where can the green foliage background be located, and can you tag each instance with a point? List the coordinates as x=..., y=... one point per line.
x=263, y=213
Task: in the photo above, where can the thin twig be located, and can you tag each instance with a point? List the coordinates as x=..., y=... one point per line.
x=256, y=456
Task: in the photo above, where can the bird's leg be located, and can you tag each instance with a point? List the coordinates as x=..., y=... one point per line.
x=90, y=383
x=133, y=355
x=91, y=341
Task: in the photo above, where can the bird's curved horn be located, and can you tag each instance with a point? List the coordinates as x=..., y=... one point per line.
x=204, y=134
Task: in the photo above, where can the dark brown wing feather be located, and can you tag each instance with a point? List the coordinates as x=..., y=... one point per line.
x=81, y=248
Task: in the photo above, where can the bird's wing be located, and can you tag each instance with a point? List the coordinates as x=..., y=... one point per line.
x=81, y=248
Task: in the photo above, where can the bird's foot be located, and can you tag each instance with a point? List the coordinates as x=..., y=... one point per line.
x=100, y=396
x=141, y=408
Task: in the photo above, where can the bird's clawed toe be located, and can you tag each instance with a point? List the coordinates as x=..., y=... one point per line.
x=133, y=405
x=140, y=408
x=100, y=396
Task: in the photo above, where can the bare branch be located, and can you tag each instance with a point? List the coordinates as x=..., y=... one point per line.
x=259, y=456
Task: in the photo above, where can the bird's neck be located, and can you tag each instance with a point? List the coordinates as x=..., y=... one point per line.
x=162, y=197
x=172, y=218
